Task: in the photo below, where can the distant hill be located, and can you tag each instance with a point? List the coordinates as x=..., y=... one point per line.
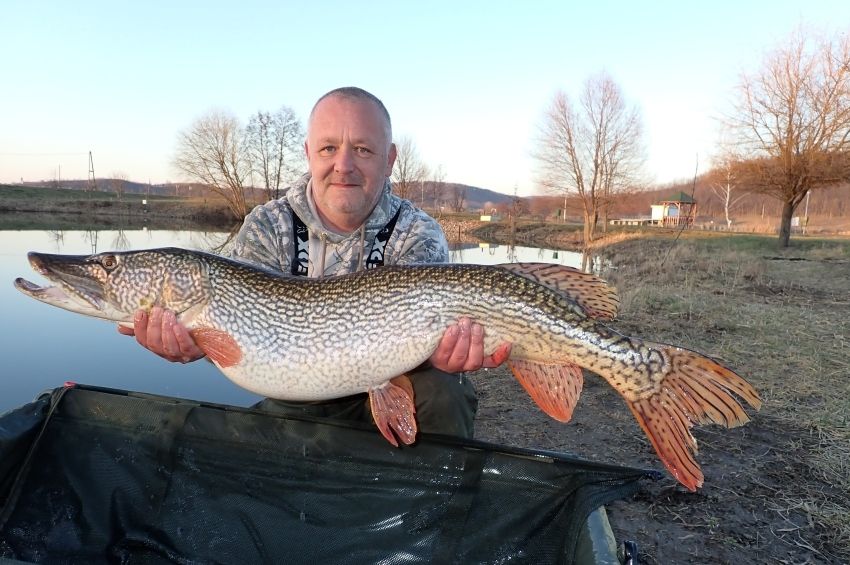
x=475, y=198
x=115, y=185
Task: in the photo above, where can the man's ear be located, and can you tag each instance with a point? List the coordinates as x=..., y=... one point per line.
x=306, y=150
x=390, y=160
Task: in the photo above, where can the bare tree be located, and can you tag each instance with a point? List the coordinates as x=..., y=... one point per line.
x=518, y=205
x=622, y=162
x=592, y=150
x=212, y=151
x=455, y=195
x=118, y=182
x=791, y=122
x=409, y=172
x=723, y=181
x=434, y=188
x=274, y=142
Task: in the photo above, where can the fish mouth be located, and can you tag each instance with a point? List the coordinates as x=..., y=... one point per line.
x=76, y=287
x=39, y=292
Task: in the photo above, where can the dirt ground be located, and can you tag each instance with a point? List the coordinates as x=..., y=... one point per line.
x=776, y=488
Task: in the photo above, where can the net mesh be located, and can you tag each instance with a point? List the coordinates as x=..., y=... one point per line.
x=93, y=475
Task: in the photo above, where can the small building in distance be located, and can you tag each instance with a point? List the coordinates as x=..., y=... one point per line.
x=638, y=221
x=678, y=209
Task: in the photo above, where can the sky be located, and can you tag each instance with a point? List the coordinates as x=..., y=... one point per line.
x=467, y=81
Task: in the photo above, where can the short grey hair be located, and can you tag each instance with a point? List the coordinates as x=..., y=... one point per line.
x=356, y=93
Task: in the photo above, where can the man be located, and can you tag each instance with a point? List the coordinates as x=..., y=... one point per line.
x=339, y=218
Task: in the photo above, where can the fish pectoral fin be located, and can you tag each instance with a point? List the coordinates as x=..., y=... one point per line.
x=219, y=346
x=393, y=410
x=594, y=296
x=554, y=387
x=696, y=390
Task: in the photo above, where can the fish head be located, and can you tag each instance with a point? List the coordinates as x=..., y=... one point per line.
x=114, y=285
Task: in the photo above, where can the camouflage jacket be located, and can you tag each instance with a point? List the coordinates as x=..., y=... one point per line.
x=266, y=237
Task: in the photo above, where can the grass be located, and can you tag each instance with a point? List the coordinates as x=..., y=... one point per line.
x=781, y=314
x=49, y=208
x=16, y=194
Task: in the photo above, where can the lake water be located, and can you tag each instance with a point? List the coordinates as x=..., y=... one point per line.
x=41, y=346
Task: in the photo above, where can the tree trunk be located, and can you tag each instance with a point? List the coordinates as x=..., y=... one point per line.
x=785, y=225
x=588, y=228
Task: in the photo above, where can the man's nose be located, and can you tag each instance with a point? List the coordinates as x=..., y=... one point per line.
x=344, y=161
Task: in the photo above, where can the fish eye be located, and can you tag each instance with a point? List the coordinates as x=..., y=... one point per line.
x=109, y=262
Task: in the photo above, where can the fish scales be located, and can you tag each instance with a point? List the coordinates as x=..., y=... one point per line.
x=422, y=302
x=398, y=313
x=306, y=339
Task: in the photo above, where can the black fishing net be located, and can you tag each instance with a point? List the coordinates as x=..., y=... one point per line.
x=91, y=475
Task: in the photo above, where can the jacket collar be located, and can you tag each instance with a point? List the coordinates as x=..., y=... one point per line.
x=301, y=202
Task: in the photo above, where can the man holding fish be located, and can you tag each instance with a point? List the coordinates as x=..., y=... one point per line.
x=368, y=331
x=342, y=217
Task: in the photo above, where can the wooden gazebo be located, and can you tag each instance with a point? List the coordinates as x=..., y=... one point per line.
x=678, y=209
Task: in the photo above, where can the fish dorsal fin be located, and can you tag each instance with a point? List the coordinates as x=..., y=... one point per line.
x=555, y=388
x=594, y=296
x=219, y=346
x=393, y=410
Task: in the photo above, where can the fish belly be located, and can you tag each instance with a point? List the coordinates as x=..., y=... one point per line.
x=332, y=368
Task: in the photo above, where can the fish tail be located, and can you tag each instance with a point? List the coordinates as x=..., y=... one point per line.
x=694, y=390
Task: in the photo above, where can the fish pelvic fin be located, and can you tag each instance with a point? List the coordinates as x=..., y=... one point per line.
x=219, y=346
x=394, y=410
x=695, y=390
x=554, y=388
x=596, y=298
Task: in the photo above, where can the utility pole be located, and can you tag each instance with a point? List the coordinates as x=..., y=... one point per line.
x=91, y=185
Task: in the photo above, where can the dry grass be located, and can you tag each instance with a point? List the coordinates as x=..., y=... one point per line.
x=778, y=489
x=615, y=237
x=782, y=316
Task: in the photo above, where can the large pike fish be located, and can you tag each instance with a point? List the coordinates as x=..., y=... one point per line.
x=312, y=339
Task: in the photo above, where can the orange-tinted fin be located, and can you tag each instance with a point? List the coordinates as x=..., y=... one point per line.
x=403, y=381
x=696, y=390
x=596, y=298
x=219, y=346
x=555, y=388
x=393, y=410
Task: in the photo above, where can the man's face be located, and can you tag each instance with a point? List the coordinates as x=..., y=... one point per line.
x=350, y=156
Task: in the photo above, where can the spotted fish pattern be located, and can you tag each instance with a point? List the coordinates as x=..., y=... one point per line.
x=297, y=338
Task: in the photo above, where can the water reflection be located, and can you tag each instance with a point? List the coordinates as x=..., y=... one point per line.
x=121, y=241
x=57, y=237
x=493, y=254
x=42, y=346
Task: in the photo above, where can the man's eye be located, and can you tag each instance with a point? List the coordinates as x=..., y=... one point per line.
x=364, y=151
x=327, y=150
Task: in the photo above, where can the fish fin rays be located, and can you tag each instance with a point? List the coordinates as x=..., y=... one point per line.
x=218, y=345
x=394, y=410
x=669, y=433
x=594, y=296
x=554, y=388
x=696, y=390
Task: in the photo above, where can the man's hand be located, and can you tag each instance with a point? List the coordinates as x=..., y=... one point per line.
x=161, y=333
x=462, y=349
